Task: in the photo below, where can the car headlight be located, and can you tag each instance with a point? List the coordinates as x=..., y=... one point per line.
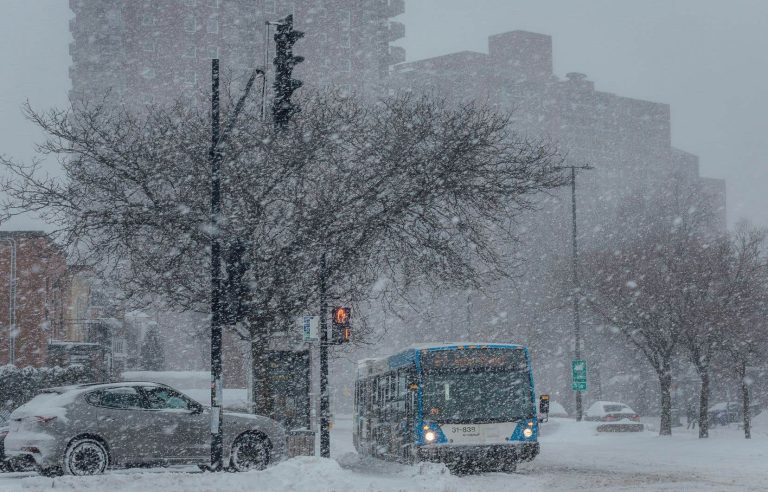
x=527, y=432
x=429, y=436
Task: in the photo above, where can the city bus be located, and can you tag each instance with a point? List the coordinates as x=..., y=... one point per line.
x=468, y=405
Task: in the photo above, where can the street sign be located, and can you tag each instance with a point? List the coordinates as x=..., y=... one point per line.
x=579, y=375
x=309, y=326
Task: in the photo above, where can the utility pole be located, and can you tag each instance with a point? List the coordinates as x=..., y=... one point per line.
x=576, y=284
x=325, y=437
x=214, y=157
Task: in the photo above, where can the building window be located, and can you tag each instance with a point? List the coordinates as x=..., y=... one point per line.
x=346, y=65
x=190, y=52
x=118, y=346
x=270, y=7
x=191, y=3
x=345, y=40
x=148, y=20
x=346, y=20
x=147, y=45
x=190, y=78
x=213, y=24
x=345, y=29
x=190, y=24
x=214, y=4
x=213, y=52
x=148, y=72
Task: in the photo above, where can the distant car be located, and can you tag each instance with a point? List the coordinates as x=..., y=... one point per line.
x=85, y=429
x=616, y=417
x=724, y=413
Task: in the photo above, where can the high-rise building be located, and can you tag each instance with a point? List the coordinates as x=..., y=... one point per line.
x=627, y=141
x=148, y=51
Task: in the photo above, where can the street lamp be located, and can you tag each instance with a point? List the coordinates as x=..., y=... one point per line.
x=575, y=273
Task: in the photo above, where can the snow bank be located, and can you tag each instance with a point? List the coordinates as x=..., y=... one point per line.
x=295, y=475
x=760, y=424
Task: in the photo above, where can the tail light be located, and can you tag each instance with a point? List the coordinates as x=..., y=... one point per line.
x=636, y=418
x=44, y=419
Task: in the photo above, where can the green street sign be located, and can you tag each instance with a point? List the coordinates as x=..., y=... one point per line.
x=579, y=375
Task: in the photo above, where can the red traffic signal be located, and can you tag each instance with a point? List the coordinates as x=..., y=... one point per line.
x=340, y=327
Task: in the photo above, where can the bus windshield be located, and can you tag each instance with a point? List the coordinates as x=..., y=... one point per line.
x=476, y=385
x=477, y=396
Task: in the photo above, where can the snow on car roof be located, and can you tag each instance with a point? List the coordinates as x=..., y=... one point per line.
x=440, y=345
x=77, y=389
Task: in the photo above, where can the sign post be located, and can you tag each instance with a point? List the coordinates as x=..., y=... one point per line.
x=579, y=375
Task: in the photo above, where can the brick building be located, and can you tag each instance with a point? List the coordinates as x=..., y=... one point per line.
x=147, y=51
x=33, y=270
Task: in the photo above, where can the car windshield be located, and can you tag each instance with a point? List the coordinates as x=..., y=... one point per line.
x=477, y=396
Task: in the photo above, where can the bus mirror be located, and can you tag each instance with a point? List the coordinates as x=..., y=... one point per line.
x=544, y=404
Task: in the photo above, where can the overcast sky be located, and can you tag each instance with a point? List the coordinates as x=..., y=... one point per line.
x=707, y=58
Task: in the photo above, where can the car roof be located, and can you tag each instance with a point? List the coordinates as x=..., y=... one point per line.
x=82, y=388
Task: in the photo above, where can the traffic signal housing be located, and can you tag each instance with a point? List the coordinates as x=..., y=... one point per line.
x=285, y=61
x=341, y=330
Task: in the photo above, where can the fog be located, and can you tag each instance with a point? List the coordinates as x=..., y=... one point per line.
x=706, y=58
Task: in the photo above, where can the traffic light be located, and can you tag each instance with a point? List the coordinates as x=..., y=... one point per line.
x=285, y=61
x=341, y=331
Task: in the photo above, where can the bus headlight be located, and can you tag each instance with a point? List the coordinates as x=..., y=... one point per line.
x=527, y=432
x=429, y=436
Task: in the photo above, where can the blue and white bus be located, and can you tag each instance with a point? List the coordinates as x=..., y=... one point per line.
x=468, y=405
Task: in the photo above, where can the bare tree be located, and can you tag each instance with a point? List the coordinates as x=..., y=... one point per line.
x=413, y=189
x=655, y=283
x=743, y=316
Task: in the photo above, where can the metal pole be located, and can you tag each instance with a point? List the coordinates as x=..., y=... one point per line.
x=325, y=438
x=266, y=71
x=214, y=158
x=576, y=320
x=11, y=302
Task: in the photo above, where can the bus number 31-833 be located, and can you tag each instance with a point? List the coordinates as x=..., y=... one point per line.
x=464, y=429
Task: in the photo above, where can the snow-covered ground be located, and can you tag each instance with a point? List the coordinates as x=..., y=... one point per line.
x=574, y=457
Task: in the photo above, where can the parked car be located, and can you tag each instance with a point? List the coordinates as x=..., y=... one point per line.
x=85, y=429
x=616, y=417
x=5, y=466
x=724, y=413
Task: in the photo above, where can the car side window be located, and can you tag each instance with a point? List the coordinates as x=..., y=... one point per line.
x=161, y=398
x=124, y=397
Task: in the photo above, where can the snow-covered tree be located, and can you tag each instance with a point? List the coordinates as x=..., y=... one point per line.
x=411, y=190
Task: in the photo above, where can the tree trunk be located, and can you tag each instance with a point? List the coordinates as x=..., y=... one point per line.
x=745, y=400
x=665, y=387
x=703, y=402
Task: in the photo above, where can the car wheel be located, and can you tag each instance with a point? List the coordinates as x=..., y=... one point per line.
x=85, y=457
x=250, y=452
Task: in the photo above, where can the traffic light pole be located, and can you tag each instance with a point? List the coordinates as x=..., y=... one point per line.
x=325, y=437
x=214, y=158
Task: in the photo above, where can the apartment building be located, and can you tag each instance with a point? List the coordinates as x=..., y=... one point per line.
x=151, y=51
